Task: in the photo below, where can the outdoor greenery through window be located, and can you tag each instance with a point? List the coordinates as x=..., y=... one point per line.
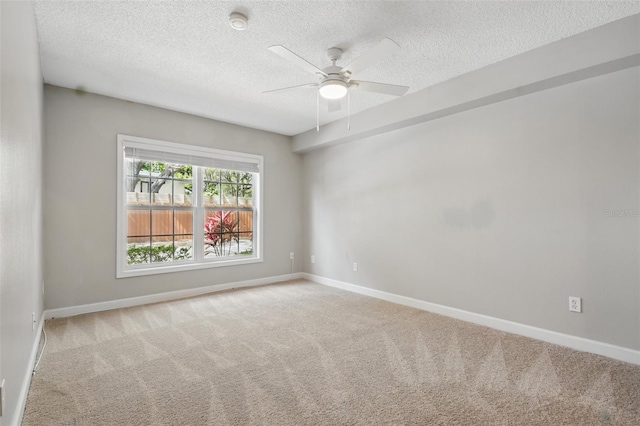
x=182, y=207
x=228, y=231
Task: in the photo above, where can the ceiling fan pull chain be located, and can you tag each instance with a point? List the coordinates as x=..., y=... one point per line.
x=317, y=110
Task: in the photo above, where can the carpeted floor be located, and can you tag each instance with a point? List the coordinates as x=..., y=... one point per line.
x=304, y=354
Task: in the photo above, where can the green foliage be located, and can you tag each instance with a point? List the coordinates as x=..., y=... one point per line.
x=181, y=253
x=161, y=253
x=233, y=183
x=211, y=189
x=182, y=172
x=153, y=166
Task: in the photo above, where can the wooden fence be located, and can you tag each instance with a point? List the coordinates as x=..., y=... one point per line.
x=161, y=222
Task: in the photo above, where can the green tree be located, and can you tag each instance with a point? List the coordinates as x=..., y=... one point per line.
x=164, y=172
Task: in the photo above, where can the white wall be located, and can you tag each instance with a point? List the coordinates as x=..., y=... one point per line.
x=20, y=201
x=80, y=196
x=499, y=210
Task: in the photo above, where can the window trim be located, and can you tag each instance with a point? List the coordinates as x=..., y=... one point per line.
x=123, y=270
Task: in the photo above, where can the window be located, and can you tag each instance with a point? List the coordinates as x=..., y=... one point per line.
x=184, y=207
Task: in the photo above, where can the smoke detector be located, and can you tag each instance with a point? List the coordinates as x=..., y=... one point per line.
x=238, y=21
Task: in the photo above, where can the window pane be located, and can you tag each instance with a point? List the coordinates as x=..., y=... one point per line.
x=212, y=230
x=162, y=192
x=132, y=198
x=220, y=233
x=155, y=167
x=137, y=251
x=143, y=179
x=211, y=175
x=183, y=222
x=230, y=244
x=142, y=191
x=138, y=223
x=229, y=195
x=245, y=178
x=228, y=176
x=245, y=221
x=182, y=184
x=230, y=220
x=182, y=195
x=245, y=195
x=183, y=199
x=246, y=243
x=162, y=225
x=211, y=194
x=183, y=247
x=133, y=169
x=182, y=171
x=162, y=250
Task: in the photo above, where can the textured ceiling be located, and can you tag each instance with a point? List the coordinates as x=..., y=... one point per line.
x=184, y=56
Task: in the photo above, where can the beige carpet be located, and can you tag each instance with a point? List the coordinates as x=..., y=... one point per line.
x=304, y=354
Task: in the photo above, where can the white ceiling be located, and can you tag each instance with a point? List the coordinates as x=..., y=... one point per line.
x=184, y=56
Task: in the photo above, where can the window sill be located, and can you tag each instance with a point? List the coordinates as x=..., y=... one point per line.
x=166, y=269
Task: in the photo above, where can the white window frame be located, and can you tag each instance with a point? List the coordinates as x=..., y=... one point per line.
x=123, y=270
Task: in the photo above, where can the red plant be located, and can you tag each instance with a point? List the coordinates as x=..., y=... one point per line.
x=219, y=230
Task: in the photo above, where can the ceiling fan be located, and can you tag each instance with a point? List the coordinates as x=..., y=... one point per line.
x=334, y=82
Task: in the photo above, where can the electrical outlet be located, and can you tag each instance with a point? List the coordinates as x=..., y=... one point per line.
x=575, y=304
x=291, y=255
x=313, y=259
x=33, y=321
x=355, y=267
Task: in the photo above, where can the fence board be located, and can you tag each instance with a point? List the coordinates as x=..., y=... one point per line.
x=138, y=224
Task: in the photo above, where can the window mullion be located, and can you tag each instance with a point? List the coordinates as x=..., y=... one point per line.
x=198, y=214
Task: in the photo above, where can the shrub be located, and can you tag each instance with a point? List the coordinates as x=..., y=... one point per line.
x=161, y=253
x=220, y=229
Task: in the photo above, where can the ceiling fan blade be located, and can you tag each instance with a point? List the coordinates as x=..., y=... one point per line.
x=301, y=86
x=285, y=53
x=387, y=89
x=334, y=105
x=376, y=54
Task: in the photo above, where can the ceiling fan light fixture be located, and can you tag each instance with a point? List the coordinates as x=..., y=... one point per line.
x=333, y=89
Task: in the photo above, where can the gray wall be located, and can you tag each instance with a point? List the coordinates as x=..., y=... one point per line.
x=80, y=196
x=20, y=199
x=499, y=210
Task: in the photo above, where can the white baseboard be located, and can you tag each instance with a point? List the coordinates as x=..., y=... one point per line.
x=579, y=343
x=26, y=383
x=163, y=297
